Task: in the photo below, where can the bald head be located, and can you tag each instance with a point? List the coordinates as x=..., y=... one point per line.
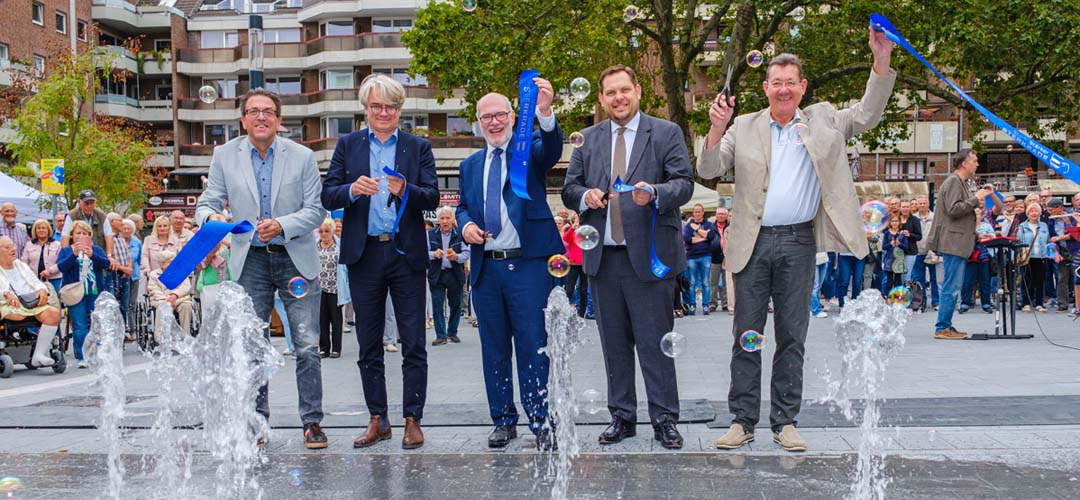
x=9, y=212
x=496, y=117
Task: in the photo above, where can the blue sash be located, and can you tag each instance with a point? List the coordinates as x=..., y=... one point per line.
x=198, y=247
x=401, y=207
x=659, y=269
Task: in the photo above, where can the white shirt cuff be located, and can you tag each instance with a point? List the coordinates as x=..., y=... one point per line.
x=547, y=123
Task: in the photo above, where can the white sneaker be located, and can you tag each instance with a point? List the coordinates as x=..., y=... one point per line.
x=83, y=364
x=287, y=352
x=822, y=314
x=391, y=348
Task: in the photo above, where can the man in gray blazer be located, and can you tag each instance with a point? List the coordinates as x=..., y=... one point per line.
x=794, y=197
x=634, y=307
x=274, y=183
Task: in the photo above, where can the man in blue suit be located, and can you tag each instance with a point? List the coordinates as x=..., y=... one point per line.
x=511, y=239
x=380, y=260
x=446, y=276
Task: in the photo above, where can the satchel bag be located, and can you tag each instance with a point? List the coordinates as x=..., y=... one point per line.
x=1024, y=255
x=71, y=294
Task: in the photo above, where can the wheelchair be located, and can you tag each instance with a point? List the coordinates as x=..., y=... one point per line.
x=17, y=340
x=144, y=317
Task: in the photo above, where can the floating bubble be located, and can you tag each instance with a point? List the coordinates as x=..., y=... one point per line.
x=558, y=265
x=900, y=296
x=591, y=402
x=874, y=216
x=9, y=485
x=580, y=88
x=208, y=94
x=755, y=58
x=798, y=13
x=294, y=478
x=587, y=237
x=798, y=133
x=1009, y=147
x=577, y=139
x=630, y=13
x=672, y=344
x=751, y=341
x=298, y=287
x=468, y=5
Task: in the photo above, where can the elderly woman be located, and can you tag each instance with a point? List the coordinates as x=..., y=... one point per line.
x=334, y=283
x=161, y=239
x=41, y=252
x=1036, y=234
x=26, y=296
x=82, y=263
x=179, y=298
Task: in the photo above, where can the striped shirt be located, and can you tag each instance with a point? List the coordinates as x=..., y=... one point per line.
x=18, y=234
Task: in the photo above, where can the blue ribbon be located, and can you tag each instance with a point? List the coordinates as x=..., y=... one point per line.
x=1059, y=163
x=520, y=157
x=198, y=247
x=401, y=208
x=659, y=269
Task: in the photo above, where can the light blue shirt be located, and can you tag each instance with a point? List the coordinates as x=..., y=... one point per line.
x=382, y=154
x=628, y=136
x=135, y=246
x=794, y=192
x=264, y=174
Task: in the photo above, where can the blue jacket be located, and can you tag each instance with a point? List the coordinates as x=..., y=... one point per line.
x=1026, y=235
x=352, y=158
x=532, y=219
x=68, y=263
x=888, y=242
x=704, y=248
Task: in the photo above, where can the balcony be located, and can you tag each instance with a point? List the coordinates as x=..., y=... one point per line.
x=450, y=149
x=319, y=10
x=129, y=18
x=418, y=100
x=191, y=109
x=124, y=60
x=327, y=51
x=133, y=109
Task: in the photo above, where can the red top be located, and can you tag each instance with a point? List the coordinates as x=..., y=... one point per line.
x=573, y=251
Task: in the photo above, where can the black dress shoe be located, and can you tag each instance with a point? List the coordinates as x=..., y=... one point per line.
x=454, y=339
x=545, y=441
x=668, y=435
x=618, y=430
x=501, y=436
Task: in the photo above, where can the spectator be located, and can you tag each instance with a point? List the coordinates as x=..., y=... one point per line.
x=912, y=229
x=139, y=224
x=40, y=254
x=25, y=296
x=1036, y=234
x=977, y=270
x=160, y=239
x=1060, y=255
x=58, y=225
x=332, y=281
x=83, y=264
x=181, y=227
x=134, y=246
x=816, y=310
x=716, y=267
x=576, y=280
x=698, y=235
x=12, y=229
x=178, y=298
x=894, y=241
x=118, y=277
x=1072, y=241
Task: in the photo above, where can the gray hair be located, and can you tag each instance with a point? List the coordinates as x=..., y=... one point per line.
x=111, y=216
x=128, y=223
x=506, y=100
x=389, y=89
x=785, y=59
x=165, y=256
x=445, y=208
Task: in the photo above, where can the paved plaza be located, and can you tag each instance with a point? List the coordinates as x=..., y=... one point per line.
x=962, y=419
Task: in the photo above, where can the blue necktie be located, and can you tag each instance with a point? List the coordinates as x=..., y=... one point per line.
x=493, y=198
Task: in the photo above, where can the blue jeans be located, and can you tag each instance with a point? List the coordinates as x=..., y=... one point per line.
x=279, y=306
x=79, y=315
x=950, y=289
x=815, y=295
x=828, y=284
x=697, y=272
x=264, y=275
x=849, y=271
x=444, y=290
x=919, y=274
x=976, y=271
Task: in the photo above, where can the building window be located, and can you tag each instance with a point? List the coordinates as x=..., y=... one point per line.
x=163, y=92
x=296, y=131
x=220, y=133
x=225, y=87
x=410, y=123
x=38, y=13
x=284, y=85
x=80, y=29
x=336, y=28
x=281, y=36
x=5, y=58
x=335, y=126
x=39, y=64
x=162, y=44
x=391, y=25
x=336, y=79
x=61, y=22
x=219, y=39
x=905, y=169
x=456, y=125
x=402, y=76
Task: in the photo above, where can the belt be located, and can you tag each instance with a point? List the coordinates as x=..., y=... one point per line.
x=270, y=248
x=381, y=238
x=789, y=227
x=512, y=253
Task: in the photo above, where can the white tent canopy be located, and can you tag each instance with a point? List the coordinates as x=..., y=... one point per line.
x=25, y=199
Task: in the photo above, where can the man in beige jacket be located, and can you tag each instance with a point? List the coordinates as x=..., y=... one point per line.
x=794, y=196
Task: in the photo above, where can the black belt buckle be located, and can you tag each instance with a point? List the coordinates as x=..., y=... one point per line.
x=381, y=238
x=503, y=254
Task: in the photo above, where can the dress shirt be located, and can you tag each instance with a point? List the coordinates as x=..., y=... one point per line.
x=794, y=192
x=628, y=136
x=264, y=174
x=381, y=212
x=17, y=233
x=459, y=257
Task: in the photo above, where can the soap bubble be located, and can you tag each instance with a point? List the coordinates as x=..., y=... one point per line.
x=630, y=13
x=900, y=296
x=468, y=5
x=672, y=344
x=755, y=58
x=798, y=133
x=298, y=287
x=587, y=237
x=580, y=88
x=294, y=477
x=10, y=485
x=591, y=402
x=558, y=265
x=577, y=139
x=874, y=216
x=208, y=94
x=751, y=341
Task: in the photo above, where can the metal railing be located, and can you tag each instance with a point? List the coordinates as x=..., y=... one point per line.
x=294, y=49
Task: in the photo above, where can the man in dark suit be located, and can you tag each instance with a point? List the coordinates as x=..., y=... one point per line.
x=379, y=260
x=511, y=238
x=633, y=306
x=446, y=275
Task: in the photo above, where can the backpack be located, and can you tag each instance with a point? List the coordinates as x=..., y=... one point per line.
x=918, y=295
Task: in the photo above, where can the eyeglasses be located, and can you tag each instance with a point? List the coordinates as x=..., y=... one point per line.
x=790, y=84
x=379, y=108
x=254, y=112
x=500, y=116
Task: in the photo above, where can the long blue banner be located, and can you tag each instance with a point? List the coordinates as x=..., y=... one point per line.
x=198, y=247
x=659, y=269
x=519, y=159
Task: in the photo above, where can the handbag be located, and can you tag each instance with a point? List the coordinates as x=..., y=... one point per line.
x=28, y=300
x=1024, y=255
x=71, y=294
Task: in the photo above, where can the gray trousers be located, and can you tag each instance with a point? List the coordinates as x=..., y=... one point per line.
x=719, y=286
x=781, y=267
x=633, y=314
x=1064, y=280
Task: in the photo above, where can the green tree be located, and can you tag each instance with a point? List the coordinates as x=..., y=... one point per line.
x=52, y=120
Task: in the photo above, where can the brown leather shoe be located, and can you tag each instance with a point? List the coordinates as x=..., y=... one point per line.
x=414, y=437
x=378, y=429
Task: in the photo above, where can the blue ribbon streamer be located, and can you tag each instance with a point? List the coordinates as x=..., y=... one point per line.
x=198, y=247
x=1059, y=163
x=401, y=208
x=659, y=269
x=520, y=157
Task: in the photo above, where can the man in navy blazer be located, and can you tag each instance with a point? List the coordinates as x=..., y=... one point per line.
x=446, y=275
x=378, y=258
x=511, y=239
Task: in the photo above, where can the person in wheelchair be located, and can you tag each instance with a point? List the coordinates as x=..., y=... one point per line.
x=179, y=298
x=25, y=296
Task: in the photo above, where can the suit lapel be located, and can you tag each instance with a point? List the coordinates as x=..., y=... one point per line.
x=247, y=169
x=763, y=130
x=478, y=189
x=399, y=157
x=641, y=140
x=604, y=143
x=278, y=172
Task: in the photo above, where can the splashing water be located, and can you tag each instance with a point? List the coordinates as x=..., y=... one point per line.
x=230, y=360
x=104, y=348
x=869, y=334
x=564, y=338
x=169, y=364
